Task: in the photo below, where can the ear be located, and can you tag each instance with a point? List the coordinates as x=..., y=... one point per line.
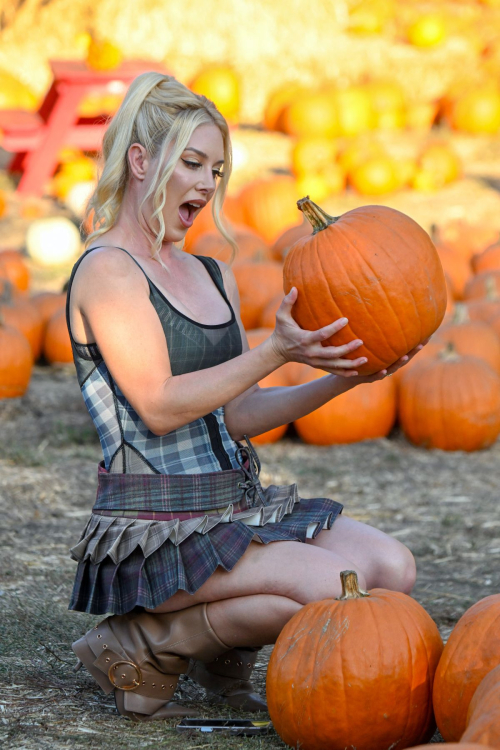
x=138, y=160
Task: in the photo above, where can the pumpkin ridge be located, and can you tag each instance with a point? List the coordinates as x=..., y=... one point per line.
x=364, y=303
x=305, y=296
x=403, y=239
x=422, y=737
x=430, y=712
x=385, y=293
x=359, y=297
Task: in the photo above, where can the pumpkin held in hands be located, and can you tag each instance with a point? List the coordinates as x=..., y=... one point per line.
x=376, y=267
x=355, y=672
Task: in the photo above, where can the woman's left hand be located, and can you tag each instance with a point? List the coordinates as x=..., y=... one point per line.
x=359, y=379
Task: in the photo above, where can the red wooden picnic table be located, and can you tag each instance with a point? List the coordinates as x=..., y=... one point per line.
x=36, y=138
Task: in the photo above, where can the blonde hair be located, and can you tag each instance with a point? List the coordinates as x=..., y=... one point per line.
x=157, y=111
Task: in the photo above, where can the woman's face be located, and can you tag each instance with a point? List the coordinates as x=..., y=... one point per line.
x=193, y=182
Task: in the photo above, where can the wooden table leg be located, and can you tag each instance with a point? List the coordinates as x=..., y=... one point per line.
x=39, y=165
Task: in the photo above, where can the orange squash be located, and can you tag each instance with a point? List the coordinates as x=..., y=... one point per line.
x=450, y=402
x=48, y=303
x=258, y=283
x=288, y=238
x=21, y=313
x=342, y=271
x=57, y=344
x=485, y=285
x=375, y=177
x=483, y=716
x=269, y=206
x=470, y=653
x=472, y=338
x=312, y=113
x=364, y=413
x=466, y=237
x=16, y=362
x=488, y=260
x=355, y=672
x=250, y=246
x=14, y=268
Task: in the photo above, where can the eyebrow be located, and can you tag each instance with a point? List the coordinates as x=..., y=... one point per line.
x=190, y=148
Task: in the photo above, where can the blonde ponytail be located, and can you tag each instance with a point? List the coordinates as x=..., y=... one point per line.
x=156, y=112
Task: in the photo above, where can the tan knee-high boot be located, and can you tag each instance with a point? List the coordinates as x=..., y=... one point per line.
x=140, y=657
x=227, y=679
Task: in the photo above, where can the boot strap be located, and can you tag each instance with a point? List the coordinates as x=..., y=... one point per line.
x=125, y=674
x=236, y=663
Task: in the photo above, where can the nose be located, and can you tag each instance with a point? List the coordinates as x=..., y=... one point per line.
x=207, y=183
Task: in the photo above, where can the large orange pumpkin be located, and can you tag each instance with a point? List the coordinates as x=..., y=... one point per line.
x=16, y=362
x=376, y=267
x=14, y=268
x=450, y=402
x=483, y=716
x=355, y=672
x=365, y=412
x=269, y=206
x=471, y=652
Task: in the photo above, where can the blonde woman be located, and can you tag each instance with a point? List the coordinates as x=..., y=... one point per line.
x=180, y=548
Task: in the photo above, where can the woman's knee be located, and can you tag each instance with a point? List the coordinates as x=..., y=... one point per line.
x=397, y=569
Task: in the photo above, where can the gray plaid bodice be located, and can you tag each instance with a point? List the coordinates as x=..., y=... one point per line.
x=203, y=445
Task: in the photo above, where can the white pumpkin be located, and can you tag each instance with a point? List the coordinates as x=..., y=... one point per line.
x=53, y=241
x=79, y=196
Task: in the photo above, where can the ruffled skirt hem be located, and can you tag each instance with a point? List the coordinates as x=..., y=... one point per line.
x=125, y=563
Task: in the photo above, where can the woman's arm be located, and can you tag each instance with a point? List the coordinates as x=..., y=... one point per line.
x=113, y=297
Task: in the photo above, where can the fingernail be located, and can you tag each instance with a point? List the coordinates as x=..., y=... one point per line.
x=364, y=361
x=420, y=346
x=405, y=358
x=343, y=321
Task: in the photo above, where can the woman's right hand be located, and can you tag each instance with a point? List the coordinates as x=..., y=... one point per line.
x=293, y=344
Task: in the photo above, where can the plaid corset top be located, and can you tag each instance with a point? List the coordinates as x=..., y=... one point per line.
x=129, y=447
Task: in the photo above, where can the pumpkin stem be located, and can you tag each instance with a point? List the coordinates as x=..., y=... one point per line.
x=449, y=352
x=350, y=586
x=318, y=218
x=460, y=314
x=491, y=288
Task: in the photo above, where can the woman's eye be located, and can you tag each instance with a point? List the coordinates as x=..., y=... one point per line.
x=217, y=173
x=191, y=164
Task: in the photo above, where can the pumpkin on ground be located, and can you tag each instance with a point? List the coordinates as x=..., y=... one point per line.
x=16, y=361
x=472, y=650
x=483, y=716
x=355, y=672
x=258, y=283
x=19, y=312
x=392, y=292
x=13, y=267
x=365, y=412
x=471, y=338
x=56, y=343
x=450, y=402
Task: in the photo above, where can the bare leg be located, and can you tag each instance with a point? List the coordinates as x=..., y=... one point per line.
x=252, y=620
x=385, y=562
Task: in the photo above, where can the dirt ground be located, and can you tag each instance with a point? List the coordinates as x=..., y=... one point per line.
x=443, y=506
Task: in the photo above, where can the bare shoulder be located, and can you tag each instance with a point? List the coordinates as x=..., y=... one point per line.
x=111, y=268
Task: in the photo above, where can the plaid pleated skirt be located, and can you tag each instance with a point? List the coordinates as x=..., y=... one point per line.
x=151, y=535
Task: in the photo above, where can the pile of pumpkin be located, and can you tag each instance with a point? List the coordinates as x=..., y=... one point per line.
x=369, y=671
x=471, y=371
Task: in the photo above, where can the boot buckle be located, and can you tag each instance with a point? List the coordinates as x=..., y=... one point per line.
x=125, y=675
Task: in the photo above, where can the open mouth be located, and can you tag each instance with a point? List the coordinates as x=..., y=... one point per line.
x=187, y=212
